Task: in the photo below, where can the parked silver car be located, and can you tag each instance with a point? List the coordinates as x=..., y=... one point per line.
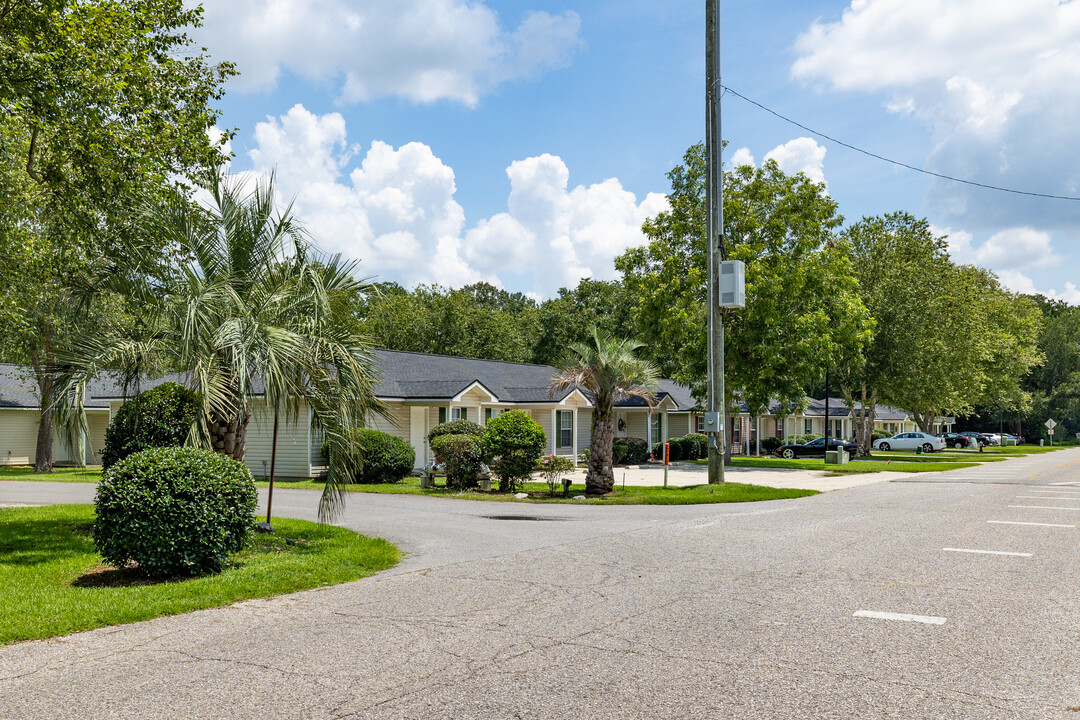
x=911, y=441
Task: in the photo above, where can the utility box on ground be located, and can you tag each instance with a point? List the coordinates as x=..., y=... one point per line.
x=836, y=457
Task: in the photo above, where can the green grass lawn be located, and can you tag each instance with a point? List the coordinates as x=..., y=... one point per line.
x=21, y=472
x=52, y=581
x=538, y=491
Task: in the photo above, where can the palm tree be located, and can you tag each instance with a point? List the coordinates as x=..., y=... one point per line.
x=608, y=369
x=243, y=306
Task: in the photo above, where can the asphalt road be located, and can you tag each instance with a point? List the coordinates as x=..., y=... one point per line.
x=783, y=609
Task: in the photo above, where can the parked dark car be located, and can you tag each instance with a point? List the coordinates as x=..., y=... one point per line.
x=956, y=440
x=814, y=448
x=977, y=437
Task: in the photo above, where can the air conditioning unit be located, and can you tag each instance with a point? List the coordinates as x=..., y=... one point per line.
x=731, y=284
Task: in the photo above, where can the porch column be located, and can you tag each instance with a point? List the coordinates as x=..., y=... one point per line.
x=758, y=448
x=573, y=436
x=554, y=429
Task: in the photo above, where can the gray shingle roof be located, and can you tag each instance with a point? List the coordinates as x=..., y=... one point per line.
x=19, y=390
x=417, y=376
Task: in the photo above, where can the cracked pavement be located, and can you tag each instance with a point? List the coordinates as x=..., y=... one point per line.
x=723, y=611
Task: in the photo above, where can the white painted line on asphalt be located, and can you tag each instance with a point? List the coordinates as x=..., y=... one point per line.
x=1033, y=524
x=1069, y=482
x=987, y=552
x=1046, y=497
x=903, y=617
x=1045, y=507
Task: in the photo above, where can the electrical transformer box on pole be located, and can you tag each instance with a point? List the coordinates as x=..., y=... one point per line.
x=731, y=285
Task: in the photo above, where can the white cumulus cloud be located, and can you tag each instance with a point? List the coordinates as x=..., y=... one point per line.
x=396, y=210
x=997, y=80
x=423, y=50
x=803, y=155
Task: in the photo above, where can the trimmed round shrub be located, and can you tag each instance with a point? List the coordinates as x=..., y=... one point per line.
x=684, y=447
x=160, y=417
x=879, y=435
x=699, y=446
x=455, y=427
x=173, y=511
x=514, y=442
x=618, y=452
x=637, y=450
x=463, y=455
x=387, y=458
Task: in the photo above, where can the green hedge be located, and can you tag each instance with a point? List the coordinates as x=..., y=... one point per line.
x=463, y=455
x=160, y=417
x=514, y=442
x=387, y=458
x=173, y=511
x=455, y=427
x=619, y=450
x=637, y=451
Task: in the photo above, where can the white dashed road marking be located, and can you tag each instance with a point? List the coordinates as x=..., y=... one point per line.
x=902, y=617
x=1045, y=507
x=1046, y=497
x=1034, y=524
x=987, y=552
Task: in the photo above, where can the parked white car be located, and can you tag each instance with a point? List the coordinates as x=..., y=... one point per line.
x=911, y=441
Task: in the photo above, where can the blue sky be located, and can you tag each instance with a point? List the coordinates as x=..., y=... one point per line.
x=523, y=141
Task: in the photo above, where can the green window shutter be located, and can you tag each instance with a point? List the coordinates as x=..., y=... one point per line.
x=487, y=415
x=464, y=413
x=442, y=415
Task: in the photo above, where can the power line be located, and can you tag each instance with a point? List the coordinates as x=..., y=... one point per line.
x=896, y=162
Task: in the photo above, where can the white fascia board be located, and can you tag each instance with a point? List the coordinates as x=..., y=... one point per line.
x=580, y=394
x=476, y=384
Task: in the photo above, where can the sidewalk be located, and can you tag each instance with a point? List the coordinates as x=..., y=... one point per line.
x=683, y=474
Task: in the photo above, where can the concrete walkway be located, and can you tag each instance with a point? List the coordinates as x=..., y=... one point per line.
x=683, y=474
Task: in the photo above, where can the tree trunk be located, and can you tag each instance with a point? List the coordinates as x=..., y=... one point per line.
x=228, y=436
x=864, y=421
x=600, y=479
x=43, y=456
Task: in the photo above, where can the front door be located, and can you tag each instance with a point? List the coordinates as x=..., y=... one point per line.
x=418, y=434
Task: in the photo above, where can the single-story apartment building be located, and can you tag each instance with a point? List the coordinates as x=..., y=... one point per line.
x=20, y=414
x=422, y=390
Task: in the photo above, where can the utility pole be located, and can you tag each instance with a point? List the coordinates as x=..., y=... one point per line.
x=714, y=198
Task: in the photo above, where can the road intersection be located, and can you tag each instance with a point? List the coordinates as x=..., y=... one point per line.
x=947, y=596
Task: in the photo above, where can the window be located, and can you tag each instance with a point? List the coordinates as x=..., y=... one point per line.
x=459, y=413
x=699, y=423
x=654, y=430
x=566, y=428
x=808, y=426
x=780, y=427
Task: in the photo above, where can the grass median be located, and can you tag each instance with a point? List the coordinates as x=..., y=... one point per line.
x=537, y=491
x=52, y=581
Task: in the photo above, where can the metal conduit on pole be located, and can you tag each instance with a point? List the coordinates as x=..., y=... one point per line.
x=715, y=241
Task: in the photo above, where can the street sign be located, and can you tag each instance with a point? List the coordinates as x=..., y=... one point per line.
x=1050, y=425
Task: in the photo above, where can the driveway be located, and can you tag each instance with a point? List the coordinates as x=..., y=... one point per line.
x=881, y=601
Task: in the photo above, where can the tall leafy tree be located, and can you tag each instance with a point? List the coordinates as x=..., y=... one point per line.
x=104, y=104
x=478, y=321
x=609, y=370
x=250, y=309
x=802, y=311
x=570, y=316
x=946, y=336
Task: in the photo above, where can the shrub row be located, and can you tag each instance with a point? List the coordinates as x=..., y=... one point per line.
x=511, y=444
